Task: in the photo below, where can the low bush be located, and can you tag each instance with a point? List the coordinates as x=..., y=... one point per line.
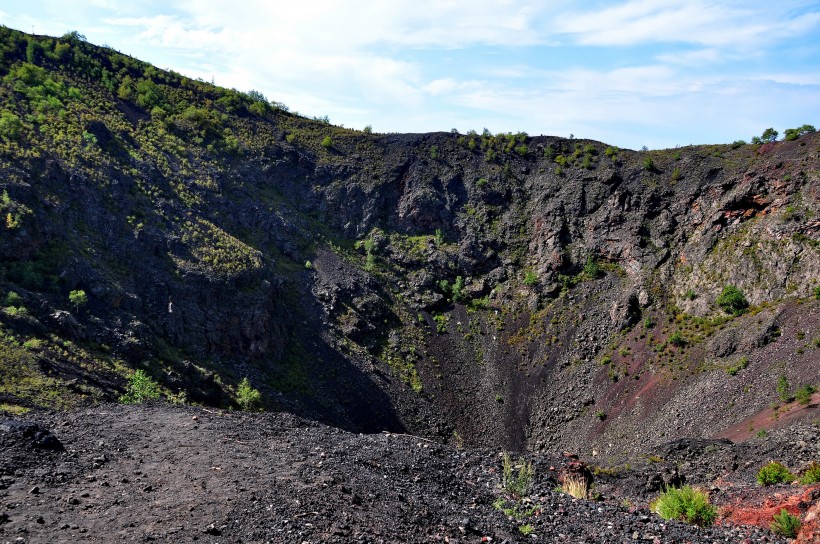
x=803, y=394
x=742, y=363
x=774, y=473
x=677, y=339
x=141, y=388
x=732, y=300
x=13, y=299
x=811, y=475
x=686, y=504
x=785, y=524
x=783, y=388
x=248, y=398
x=517, y=476
x=530, y=278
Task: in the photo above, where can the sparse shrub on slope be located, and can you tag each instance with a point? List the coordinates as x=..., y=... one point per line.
x=517, y=476
x=248, y=398
x=141, y=388
x=732, y=300
x=785, y=524
x=811, y=475
x=774, y=473
x=803, y=394
x=795, y=133
x=686, y=504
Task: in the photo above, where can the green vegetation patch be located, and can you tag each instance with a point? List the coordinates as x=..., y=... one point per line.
x=687, y=504
x=774, y=473
x=732, y=300
x=214, y=250
x=785, y=524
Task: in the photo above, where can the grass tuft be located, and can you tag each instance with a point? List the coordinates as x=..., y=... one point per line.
x=686, y=504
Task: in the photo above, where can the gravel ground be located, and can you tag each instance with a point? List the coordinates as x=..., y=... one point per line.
x=165, y=473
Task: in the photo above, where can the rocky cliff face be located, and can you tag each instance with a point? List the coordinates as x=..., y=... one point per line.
x=490, y=289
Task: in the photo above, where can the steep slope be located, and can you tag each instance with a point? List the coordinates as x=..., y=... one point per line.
x=498, y=290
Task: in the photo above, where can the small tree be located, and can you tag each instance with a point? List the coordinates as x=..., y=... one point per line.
x=785, y=524
x=249, y=399
x=783, y=388
x=327, y=142
x=769, y=135
x=78, y=298
x=732, y=300
x=795, y=133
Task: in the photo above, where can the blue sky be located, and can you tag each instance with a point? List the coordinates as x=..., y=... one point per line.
x=658, y=73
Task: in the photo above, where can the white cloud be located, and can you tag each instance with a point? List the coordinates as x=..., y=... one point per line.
x=699, y=57
x=628, y=69
x=703, y=22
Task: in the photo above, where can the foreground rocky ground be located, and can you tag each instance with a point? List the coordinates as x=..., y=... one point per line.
x=162, y=473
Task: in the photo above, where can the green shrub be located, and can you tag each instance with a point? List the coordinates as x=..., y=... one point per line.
x=803, y=394
x=774, y=473
x=441, y=323
x=439, y=237
x=795, y=133
x=517, y=482
x=141, y=388
x=785, y=524
x=686, y=504
x=740, y=365
x=13, y=299
x=457, y=291
x=676, y=175
x=10, y=125
x=649, y=164
x=591, y=269
x=327, y=142
x=677, y=339
x=769, y=135
x=811, y=475
x=783, y=388
x=78, y=298
x=248, y=398
x=732, y=300
x=530, y=278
